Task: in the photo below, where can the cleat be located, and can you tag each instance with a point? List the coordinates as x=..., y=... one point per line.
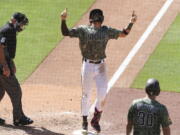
x=96, y=126
x=2, y=121
x=95, y=121
x=85, y=125
x=23, y=121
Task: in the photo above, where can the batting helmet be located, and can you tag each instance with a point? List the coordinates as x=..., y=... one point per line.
x=21, y=19
x=96, y=15
x=152, y=87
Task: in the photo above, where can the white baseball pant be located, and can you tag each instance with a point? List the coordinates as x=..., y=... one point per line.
x=93, y=72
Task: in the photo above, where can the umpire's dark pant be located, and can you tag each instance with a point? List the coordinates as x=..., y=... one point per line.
x=12, y=87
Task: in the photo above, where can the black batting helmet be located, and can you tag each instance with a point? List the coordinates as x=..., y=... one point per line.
x=96, y=15
x=152, y=87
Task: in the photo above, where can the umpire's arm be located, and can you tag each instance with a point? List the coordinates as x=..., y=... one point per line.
x=5, y=70
x=2, y=54
x=2, y=57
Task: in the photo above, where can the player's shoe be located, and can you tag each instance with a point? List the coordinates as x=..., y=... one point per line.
x=85, y=123
x=95, y=120
x=2, y=121
x=23, y=121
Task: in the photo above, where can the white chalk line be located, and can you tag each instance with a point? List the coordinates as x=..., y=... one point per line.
x=136, y=48
x=54, y=114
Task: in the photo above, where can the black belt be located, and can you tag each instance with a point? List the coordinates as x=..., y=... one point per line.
x=93, y=62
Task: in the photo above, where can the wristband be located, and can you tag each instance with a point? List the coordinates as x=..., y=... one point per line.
x=125, y=32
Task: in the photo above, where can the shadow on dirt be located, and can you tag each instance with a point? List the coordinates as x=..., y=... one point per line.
x=31, y=130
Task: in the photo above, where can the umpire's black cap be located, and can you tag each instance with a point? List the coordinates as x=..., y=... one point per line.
x=20, y=18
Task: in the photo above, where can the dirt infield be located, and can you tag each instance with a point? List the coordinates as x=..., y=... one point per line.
x=119, y=101
x=52, y=94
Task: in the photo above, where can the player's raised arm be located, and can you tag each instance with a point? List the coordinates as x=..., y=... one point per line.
x=64, y=28
x=129, y=27
x=5, y=68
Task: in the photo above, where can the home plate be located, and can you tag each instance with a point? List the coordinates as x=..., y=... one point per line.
x=84, y=132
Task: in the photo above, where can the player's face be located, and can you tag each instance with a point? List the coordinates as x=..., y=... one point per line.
x=97, y=24
x=152, y=97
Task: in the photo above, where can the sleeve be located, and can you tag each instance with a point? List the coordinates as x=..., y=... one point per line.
x=113, y=33
x=165, y=119
x=75, y=32
x=64, y=28
x=3, y=36
x=2, y=39
x=130, y=113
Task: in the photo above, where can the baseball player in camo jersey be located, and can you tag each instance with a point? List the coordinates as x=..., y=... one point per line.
x=93, y=40
x=146, y=115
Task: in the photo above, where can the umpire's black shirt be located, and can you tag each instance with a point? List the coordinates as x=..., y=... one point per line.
x=9, y=33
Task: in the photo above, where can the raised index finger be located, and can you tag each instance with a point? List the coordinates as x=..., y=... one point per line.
x=133, y=13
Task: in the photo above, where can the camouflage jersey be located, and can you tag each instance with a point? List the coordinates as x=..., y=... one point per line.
x=147, y=116
x=93, y=41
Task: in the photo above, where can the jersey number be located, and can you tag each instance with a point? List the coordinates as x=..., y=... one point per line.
x=145, y=119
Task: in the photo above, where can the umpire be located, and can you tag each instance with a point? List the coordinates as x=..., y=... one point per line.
x=8, y=80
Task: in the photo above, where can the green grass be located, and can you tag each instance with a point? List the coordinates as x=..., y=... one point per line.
x=43, y=32
x=164, y=63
